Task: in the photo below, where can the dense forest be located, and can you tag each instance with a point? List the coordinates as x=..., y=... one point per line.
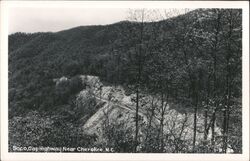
x=191, y=62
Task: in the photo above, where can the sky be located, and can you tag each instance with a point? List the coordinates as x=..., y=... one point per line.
x=30, y=20
x=56, y=19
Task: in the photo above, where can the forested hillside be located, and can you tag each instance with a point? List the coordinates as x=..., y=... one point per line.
x=191, y=63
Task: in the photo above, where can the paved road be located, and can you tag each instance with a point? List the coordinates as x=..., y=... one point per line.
x=98, y=117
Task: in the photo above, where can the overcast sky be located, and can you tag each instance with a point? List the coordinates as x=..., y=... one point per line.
x=32, y=19
x=56, y=19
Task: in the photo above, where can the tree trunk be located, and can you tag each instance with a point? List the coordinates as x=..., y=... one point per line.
x=138, y=83
x=195, y=126
x=228, y=88
x=205, y=124
x=136, y=120
x=213, y=130
x=206, y=128
x=152, y=110
x=160, y=134
x=218, y=19
x=196, y=92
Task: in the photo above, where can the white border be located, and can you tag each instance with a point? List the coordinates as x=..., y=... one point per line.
x=6, y=5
